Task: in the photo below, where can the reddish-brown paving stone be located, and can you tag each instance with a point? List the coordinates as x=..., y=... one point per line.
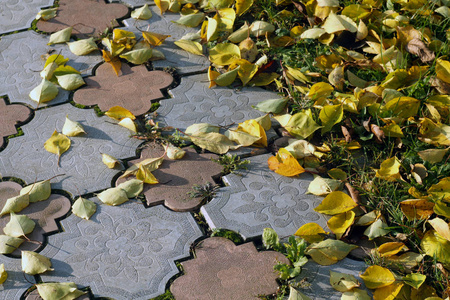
x=177, y=177
x=88, y=17
x=10, y=115
x=133, y=89
x=222, y=270
x=43, y=213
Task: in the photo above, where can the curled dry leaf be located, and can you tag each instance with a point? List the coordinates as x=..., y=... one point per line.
x=110, y=161
x=72, y=128
x=417, y=47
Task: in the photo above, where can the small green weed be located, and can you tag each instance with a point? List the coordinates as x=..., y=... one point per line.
x=231, y=163
x=206, y=191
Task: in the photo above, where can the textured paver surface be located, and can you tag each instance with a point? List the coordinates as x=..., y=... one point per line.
x=125, y=252
x=257, y=198
x=88, y=18
x=106, y=89
x=222, y=270
x=22, y=57
x=18, y=14
x=193, y=102
x=177, y=177
x=15, y=285
x=82, y=164
x=10, y=116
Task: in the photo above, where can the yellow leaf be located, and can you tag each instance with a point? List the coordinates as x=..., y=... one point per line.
x=441, y=227
x=388, y=292
x=285, y=164
x=255, y=129
x=259, y=28
x=417, y=209
x=343, y=282
x=242, y=6
x=120, y=35
x=34, y=263
x=84, y=208
x=44, y=92
x=335, y=23
x=113, y=196
x=143, y=13
x=296, y=74
x=323, y=186
x=311, y=232
x=227, y=78
x=129, y=124
x=146, y=175
x=138, y=56
x=339, y=223
x=330, y=115
x=192, y=20
x=432, y=133
x=83, y=47
x=213, y=141
x=174, y=152
x=46, y=14
x=329, y=252
x=442, y=209
x=58, y=144
x=414, y=279
x=163, y=5
x=226, y=17
x=153, y=38
x=403, y=107
x=246, y=71
x=211, y=30
x=72, y=128
x=62, y=36
x=376, y=277
x=443, y=70
x=15, y=204
x=212, y=75
x=70, y=82
x=119, y=113
x=110, y=161
x=389, y=169
x=240, y=34
x=335, y=203
x=320, y=91
x=356, y=294
x=224, y=54
x=441, y=190
x=3, y=274
x=376, y=229
x=391, y=248
x=368, y=218
x=113, y=61
x=392, y=130
x=436, y=246
x=301, y=125
x=190, y=46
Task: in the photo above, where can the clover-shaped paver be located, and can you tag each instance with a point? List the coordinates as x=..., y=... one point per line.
x=133, y=89
x=257, y=198
x=222, y=270
x=123, y=252
x=84, y=172
x=43, y=213
x=16, y=284
x=88, y=18
x=10, y=116
x=18, y=14
x=177, y=177
x=22, y=57
x=183, y=61
x=316, y=278
x=193, y=102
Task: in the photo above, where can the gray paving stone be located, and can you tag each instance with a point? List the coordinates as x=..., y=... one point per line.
x=18, y=14
x=183, y=61
x=193, y=102
x=123, y=252
x=257, y=198
x=26, y=158
x=21, y=60
x=317, y=277
x=15, y=285
x=133, y=3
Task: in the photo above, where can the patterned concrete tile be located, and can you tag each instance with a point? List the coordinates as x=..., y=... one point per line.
x=177, y=177
x=222, y=270
x=317, y=285
x=123, y=252
x=81, y=164
x=21, y=61
x=193, y=102
x=183, y=61
x=43, y=213
x=10, y=116
x=15, y=285
x=257, y=198
x=88, y=18
x=134, y=89
x=134, y=3
x=18, y=14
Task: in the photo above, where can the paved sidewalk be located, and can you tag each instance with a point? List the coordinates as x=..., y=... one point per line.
x=138, y=250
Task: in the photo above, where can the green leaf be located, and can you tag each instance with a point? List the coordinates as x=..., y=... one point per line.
x=7, y=241
x=301, y=125
x=376, y=229
x=331, y=115
x=356, y=294
x=33, y=263
x=84, y=208
x=19, y=225
x=138, y=56
x=274, y=106
x=15, y=204
x=329, y=252
x=270, y=238
x=224, y=54
x=227, y=78
x=414, y=279
x=297, y=295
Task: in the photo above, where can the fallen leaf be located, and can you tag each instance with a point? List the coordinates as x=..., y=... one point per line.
x=137, y=57
x=46, y=14
x=173, y=152
x=84, y=208
x=190, y=46
x=70, y=82
x=330, y=115
x=143, y=13
x=58, y=144
x=224, y=54
x=311, y=232
x=145, y=175
x=329, y=252
x=285, y=164
x=323, y=186
x=417, y=209
x=376, y=277
x=389, y=169
x=343, y=282
x=388, y=292
x=274, y=106
x=335, y=203
x=242, y=6
x=114, y=61
x=34, y=263
x=414, y=279
x=443, y=70
x=72, y=128
x=391, y=248
x=356, y=294
x=261, y=28
x=441, y=227
x=19, y=225
x=8, y=244
x=192, y=20
x=44, y=92
x=339, y=223
x=376, y=229
x=58, y=290
x=418, y=48
x=301, y=125
x=83, y=47
x=119, y=113
x=296, y=295
x=38, y=191
x=110, y=161
x=212, y=141
x=15, y=204
x=129, y=124
x=59, y=37
x=3, y=274
x=113, y=196
x=436, y=246
x=132, y=187
x=227, y=78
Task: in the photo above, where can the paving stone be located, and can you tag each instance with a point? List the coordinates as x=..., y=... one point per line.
x=34, y=295
x=122, y=252
x=88, y=18
x=133, y=89
x=10, y=116
x=21, y=60
x=317, y=285
x=257, y=198
x=15, y=285
x=177, y=177
x=183, y=61
x=18, y=14
x=43, y=213
x=81, y=164
x=193, y=102
x=222, y=270
x=134, y=3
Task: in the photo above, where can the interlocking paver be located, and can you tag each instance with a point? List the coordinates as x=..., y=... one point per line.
x=133, y=89
x=43, y=213
x=18, y=14
x=182, y=60
x=222, y=270
x=10, y=116
x=318, y=278
x=15, y=285
x=257, y=198
x=123, y=252
x=88, y=18
x=81, y=164
x=135, y=3
x=177, y=177
x=21, y=60
x=193, y=102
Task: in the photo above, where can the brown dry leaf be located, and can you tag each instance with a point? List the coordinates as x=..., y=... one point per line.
x=417, y=47
x=417, y=209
